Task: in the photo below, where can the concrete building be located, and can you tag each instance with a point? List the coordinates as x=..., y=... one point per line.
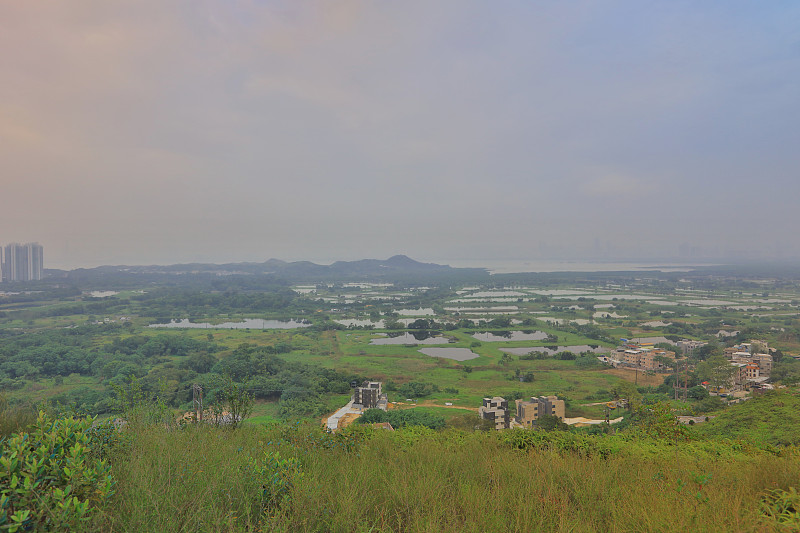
x=370, y=396
x=644, y=358
x=738, y=380
x=495, y=409
x=22, y=262
x=528, y=411
x=764, y=361
x=687, y=346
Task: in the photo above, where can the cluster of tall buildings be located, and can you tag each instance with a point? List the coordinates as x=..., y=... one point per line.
x=21, y=262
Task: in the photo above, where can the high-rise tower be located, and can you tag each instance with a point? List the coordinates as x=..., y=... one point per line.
x=23, y=262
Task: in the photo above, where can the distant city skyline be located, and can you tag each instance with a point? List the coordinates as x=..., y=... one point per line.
x=199, y=131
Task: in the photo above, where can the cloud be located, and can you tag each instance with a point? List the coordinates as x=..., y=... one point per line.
x=243, y=130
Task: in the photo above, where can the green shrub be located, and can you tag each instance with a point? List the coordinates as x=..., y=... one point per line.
x=403, y=417
x=48, y=478
x=276, y=475
x=782, y=509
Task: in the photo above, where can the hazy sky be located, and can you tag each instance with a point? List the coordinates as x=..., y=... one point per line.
x=173, y=131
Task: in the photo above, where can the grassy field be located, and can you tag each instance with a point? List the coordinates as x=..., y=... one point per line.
x=414, y=480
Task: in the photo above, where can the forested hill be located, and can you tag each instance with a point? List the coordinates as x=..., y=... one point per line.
x=396, y=268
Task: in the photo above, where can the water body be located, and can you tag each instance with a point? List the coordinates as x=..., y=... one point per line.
x=561, y=321
x=550, y=351
x=102, y=294
x=415, y=312
x=708, y=302
x=416, y=337
x=607, y=314
x=361, y=323
x=489, y=336
x=564, y=292
x=247, y=323
x=483, y=309
x=493, y=294
x=484, y=300
x=457, y=354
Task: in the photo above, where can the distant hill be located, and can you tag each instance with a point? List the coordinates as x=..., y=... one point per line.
x=398, y=267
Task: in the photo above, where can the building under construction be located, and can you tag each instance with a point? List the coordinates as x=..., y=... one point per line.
x=370, y=396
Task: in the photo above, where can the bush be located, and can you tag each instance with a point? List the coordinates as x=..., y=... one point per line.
x=402, y=418
x=417, y=389
x=48, y=478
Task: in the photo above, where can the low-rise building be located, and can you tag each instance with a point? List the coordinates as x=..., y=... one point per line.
x=764, y=361
x=687, y=346
x=644, y=357
x=528, y=411
x=369, y=396
x=495, y=409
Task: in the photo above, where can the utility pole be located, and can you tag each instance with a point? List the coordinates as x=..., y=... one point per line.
x=197, y=401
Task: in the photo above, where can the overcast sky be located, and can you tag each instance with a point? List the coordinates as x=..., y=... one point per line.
x=174, y=131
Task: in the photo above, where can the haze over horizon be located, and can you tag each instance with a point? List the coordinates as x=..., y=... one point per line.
x=199, y=131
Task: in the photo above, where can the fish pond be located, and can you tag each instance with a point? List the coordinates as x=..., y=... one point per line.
x=247, y=323
x=410, y=337
x=506, y=336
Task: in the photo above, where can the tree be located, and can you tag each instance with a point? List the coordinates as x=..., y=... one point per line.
x=234, y=399
x=710, y=349
x=392, y=323
x=551, y=423
x=628, y=391
x=698, y=392
x=718, y=371
x=659, y=421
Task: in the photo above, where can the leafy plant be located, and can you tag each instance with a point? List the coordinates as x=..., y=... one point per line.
x=48, y=478
x=782, y=508
x=277, y=475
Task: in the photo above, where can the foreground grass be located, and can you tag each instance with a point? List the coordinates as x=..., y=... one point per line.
x=282, y=478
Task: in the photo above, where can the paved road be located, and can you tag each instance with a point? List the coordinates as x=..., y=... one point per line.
x=333, y=420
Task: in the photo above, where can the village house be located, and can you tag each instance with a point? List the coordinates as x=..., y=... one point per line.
x=528, y=411
x=687, y=346
x=745, y=353
x=644, y=357
x=495, y=409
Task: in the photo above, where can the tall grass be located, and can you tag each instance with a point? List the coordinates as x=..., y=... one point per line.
x=204, y=479
x=192, y=479
x=15, y=418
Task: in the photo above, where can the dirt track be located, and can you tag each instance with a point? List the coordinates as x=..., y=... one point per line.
x=630, y=375
x=428, y=403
